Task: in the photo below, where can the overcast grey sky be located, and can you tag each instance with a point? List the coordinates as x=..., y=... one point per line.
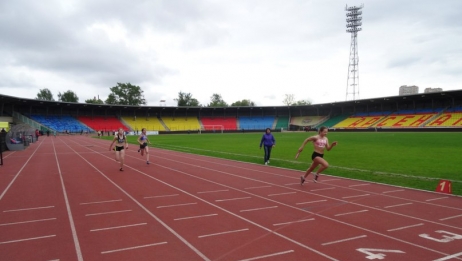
x=242, y=49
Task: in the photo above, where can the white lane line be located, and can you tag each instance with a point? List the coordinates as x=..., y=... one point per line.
x=131, y=248
x=109, y=228
x=324, y=180
x=19, y=172
x=343, y=240
x=162, y=196
x=358, y=185
x=363, y=195
x=75, y=238
x=223, y=233
x=25, y=239
x=309, y=202
x=322, y=189
x=285, y=193
x=354, y=212
x=177, y=205
x=391, y=191
x=400, y=228
x=398, y=205
x=290, y=184
x=442, y=219
x=172, y=231
x=436, y=199
x=449, y=257
x=265, y=256
x=24, y=209
x=297, y=221
x=176, y=219
x=259, y=187
x=230, y=199
x=30, y=221
x=212, y=191
x=100, y=202
x=105, y=213
x=255, y=209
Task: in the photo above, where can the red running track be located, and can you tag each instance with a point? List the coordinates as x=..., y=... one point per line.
x=65, y=199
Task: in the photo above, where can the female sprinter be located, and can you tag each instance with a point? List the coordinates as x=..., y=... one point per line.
x=119, y=147
x=143, y=141
x=320, y=142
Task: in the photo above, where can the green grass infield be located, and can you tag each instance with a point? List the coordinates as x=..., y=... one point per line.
x=409, y=159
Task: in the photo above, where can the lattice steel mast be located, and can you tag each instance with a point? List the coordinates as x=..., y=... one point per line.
x=353, y=26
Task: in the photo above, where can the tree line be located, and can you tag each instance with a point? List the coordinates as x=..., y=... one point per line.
x=128, y=94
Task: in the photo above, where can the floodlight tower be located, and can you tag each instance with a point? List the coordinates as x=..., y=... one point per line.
x=353, y=26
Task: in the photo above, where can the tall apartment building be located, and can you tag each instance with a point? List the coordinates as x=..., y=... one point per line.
x=429, y=89
x=406, y=90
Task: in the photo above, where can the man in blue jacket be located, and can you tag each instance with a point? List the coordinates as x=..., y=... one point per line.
x=269, y=142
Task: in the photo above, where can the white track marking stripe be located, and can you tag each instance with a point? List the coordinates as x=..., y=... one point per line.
x=100, y=202
x=442, y=219
x=398, y=205
x=141, y=205
x=259, y=187
x=131, y=248
x=109, y=228
x=270, y=255
x=354, y=212
x=391, y=191
x=285, y=193
x=177, y=205
x=310, y=202
x=19, y=172
x=255, y=209
x=176, y=219
x=30, y=221
x=436, y=199
x=25, y=239
x=400, y=228
x=162, y=196
x=322, y=189
x=343, y=240
x=213, y=191
x=231, y=199
x=105, y=213
x=298, y=221
x=23, y=209
x=223, y=233
x=358, y=185
x=68, y=208
x=363, y=195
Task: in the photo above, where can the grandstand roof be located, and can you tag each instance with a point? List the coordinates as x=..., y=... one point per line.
x=17, y=101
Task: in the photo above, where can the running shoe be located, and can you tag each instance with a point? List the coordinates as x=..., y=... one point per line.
x=147, y=162
x=315, y=180
x=121, y=169
x=302, y=180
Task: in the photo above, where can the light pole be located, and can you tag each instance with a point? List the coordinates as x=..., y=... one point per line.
x=353, y=26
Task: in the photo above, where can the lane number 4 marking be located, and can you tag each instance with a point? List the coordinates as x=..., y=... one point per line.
x=380, y=252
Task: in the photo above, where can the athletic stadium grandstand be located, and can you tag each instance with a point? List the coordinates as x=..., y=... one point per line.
x=441, y=111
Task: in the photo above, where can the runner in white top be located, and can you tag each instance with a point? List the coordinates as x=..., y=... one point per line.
x=320, y=142
x=119, y=147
